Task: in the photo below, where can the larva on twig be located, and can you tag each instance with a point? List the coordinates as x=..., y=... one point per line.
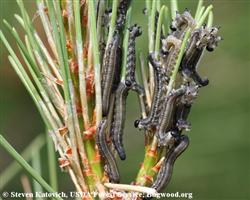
x=165, y=173
x=121, y=13
x=119, y=119
x=171, y=46
x=147, y=122
x=110, y=67
x=162, y=72
x=134, y=31
x=200, y=39
x=122, y=93
x=166, y=121
x=184, y=106
x=181, y=23
x=105, y=152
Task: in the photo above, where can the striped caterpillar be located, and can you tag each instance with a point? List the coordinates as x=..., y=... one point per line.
x=165, y=173
x=121, y=13
x=183, y=107
x=147, y=122
x=112, y=58
x=166, y=121
x=200, y=39
x=134, y=32
x=122, y=93
x=162, y=72
x=111, y=71
x=105, y=152
x=119, y=119
x=173, y=118
x=171, y=46
x=181, y=23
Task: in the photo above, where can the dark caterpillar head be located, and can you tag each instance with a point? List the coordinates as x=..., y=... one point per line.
x=135, y=30
x=208, y=37
x=204, y=82
x=128, y=83
x=176, y=135
x=210, y=48
x=164, y=53
x=182, y=21
x=172, y=27
x=136, y=123
x=122, y=155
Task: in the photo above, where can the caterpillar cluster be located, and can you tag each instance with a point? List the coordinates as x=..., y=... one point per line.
x=169, y=111
x=114, y=88
x=168, y=114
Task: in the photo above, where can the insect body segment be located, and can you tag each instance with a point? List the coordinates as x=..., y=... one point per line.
x=170, y=107
x=121, y=13
x=122, y=93
x=162, y=72
x=157, y=97
x=118, y=64
x=166, y=121
x=200, y=39
x=171, y=45
x=165, y=173
x=134, y=32
x=105, y=152
x=119, y=119
x=181, y=23
x=184, y=107
x=111, y=65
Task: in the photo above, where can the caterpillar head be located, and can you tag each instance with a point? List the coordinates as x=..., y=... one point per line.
x=135, y=30
x=213, y=38
x=191, y=93
x=182, y=21
x=208, y=37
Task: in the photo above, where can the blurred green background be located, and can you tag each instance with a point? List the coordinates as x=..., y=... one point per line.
x=217, y=162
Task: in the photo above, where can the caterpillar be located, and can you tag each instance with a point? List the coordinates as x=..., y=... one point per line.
x=166, y=120
x=119, y=119
x=162, y=72
x=184, y=106
x=200, y=39
x=172, y=46
x=147, y=122
x=165, y=173
x=111, y=70
x=105, y=152
x=130, y=80
x=181, y=23
x=121, y=13
x=134, y=31
x=122, y=93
